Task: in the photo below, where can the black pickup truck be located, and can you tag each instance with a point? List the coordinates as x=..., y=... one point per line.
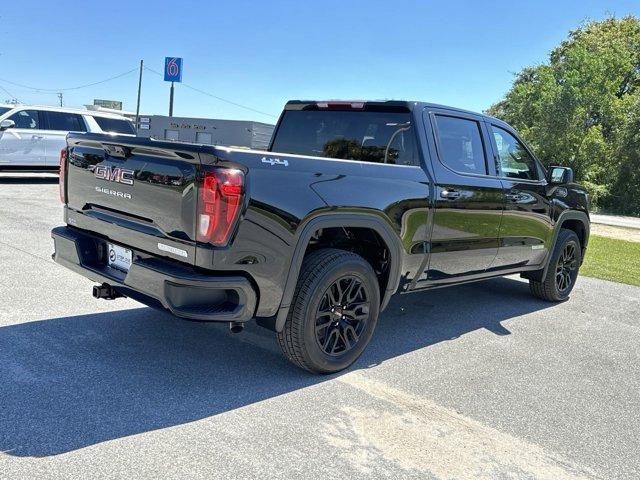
x=352, y=202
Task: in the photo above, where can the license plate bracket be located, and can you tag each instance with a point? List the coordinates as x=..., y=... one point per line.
x=119, y=257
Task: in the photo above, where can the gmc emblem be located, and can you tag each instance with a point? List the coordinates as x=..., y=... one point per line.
x=114, y=174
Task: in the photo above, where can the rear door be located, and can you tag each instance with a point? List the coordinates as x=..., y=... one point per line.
x=469, y=200
x=23, y=145
x=526, y=229
x=57, y=125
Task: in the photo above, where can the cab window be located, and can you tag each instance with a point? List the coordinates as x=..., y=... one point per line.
x=65, y=122
x=460, y=145
x=26, y=119
x=514, y=159
x=366, y=136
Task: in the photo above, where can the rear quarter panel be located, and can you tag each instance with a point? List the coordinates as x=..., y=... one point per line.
x=285, y=192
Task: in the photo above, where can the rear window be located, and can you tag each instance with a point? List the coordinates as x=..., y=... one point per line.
x=460, y=143
x=65, y=122
x=115, y=125
x=379, y=137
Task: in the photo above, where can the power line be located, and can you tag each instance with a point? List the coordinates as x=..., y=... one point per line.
x=56, y=90
x=217, y=97
x=8, y=93
x=59, y=90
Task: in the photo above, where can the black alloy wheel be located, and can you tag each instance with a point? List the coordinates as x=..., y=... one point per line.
x=342, y=315
x=566, y=268
x=334, y=311
x=557, y=281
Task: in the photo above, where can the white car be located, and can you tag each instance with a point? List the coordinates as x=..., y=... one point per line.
x=31, y=137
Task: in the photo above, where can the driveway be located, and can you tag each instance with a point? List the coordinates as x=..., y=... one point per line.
x=616, y=221
x=476, y=381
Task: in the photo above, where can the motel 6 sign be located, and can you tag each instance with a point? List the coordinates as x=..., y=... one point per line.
x=172, y=69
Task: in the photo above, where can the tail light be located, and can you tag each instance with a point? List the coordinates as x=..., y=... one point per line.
x=63, y=175
x=219, y=205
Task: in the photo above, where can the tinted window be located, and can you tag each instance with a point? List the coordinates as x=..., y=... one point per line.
x=460, y=143
x=515, y=160
x=4, y=110
x=26, y=119
x=115, y=125
x=65, y=122
x=380, y=137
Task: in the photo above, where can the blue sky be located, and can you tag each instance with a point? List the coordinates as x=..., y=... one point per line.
x=260, y=54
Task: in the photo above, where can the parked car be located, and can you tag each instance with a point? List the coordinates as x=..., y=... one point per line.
x=31, y=137
x=353, y=202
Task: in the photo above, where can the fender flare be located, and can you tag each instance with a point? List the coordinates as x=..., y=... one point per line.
x=567, y=215
x=336, y=219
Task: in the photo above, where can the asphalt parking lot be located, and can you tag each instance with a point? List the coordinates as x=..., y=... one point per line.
x=477, y=381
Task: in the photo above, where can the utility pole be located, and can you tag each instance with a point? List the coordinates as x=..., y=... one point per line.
x=139, y=93
x=60, y=97
x=171, y=101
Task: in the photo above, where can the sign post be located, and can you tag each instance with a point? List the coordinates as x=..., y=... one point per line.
x=172, y=73
x=139, y=93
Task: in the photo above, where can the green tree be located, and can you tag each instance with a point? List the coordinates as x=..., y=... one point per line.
x=581, y=109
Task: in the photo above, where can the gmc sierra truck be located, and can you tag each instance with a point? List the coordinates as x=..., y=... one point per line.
x=351, y=203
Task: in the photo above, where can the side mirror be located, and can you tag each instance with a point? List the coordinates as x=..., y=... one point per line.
x=559, y=175
x=4, y=124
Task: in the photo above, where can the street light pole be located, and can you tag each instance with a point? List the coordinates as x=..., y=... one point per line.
x=171, y=101
x=139, y=93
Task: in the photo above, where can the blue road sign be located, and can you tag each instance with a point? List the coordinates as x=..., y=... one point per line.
x=172, y=69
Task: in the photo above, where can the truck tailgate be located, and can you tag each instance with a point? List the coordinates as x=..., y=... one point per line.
x=132, y=193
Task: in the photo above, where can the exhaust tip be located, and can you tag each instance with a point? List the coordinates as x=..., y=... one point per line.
x=236, y=327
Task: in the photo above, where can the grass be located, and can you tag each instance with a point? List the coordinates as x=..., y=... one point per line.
x=612, y=259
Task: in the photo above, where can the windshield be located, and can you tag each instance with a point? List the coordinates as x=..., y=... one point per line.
x=4, y=110
x=379, y=137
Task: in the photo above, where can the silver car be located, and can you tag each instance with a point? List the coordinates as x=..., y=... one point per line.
x=31, y=137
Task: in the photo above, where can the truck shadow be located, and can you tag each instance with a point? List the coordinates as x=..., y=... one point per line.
x=72, y=382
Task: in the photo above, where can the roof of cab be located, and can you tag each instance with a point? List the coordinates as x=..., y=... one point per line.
x=411, y=105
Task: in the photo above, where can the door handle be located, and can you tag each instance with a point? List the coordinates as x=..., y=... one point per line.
x=37, y=137
x=449, y=194
x=514, y=197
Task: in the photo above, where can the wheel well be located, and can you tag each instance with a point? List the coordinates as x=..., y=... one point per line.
x=365, y=242
x=578, y=227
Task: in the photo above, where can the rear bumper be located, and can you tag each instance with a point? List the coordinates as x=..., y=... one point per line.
x=157, y=282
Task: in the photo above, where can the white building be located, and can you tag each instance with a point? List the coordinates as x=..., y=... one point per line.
x=238, y=133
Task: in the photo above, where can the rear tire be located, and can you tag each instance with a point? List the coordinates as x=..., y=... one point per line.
x=562, y=272
x=333, y=313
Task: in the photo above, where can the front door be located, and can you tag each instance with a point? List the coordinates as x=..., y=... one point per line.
x=469, y=199
x=526, y=230
x=23, y=145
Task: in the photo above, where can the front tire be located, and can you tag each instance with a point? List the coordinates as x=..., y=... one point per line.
x=562, y=272
x=333, y=313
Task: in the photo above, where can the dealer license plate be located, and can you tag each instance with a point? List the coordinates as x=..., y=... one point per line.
x=119, y=257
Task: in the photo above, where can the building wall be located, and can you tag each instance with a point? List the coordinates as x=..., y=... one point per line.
x=236, y=133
